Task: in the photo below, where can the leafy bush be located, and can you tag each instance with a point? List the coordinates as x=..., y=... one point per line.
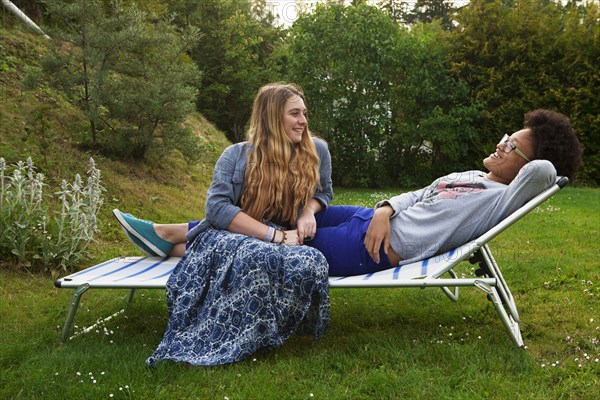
x=128, y=70
x=43, y=232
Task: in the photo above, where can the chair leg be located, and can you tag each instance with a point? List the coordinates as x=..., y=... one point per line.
x=477, y=258
x=72, y=311
x=502, y=287
x=508, y=321
x=130, y=295
x=453, y=295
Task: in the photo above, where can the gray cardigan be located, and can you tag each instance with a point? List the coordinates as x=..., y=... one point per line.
x=227, y=185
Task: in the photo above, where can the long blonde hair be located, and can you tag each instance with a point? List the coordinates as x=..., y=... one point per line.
x=280, y=177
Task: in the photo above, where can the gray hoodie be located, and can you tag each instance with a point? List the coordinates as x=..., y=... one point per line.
x=458, y=208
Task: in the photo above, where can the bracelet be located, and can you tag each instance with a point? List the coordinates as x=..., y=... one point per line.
x=283, y=238
x=270, y=236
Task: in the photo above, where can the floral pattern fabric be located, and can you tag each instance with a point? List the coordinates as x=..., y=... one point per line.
x=231, y=295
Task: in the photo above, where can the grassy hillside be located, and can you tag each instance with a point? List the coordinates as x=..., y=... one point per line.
x=41, y=124
x=382, y=343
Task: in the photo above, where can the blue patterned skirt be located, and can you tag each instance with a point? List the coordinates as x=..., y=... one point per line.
x=231, y=295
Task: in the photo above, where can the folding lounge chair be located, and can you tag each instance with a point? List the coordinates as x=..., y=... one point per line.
x=152, y=273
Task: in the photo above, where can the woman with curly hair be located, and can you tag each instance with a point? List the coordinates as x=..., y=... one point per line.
x=461, y=206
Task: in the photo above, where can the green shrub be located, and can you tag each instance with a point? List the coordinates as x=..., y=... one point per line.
x=41, y=231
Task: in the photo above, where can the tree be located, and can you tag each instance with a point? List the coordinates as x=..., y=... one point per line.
x=579, y=76
x=382, y=96
x=432, y=10
x=341, y=57
x=396, y=9
x=516, y=57
x=233, y=55
x=433, y=116
x=131, y=77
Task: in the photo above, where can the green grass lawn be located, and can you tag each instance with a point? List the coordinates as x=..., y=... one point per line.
x=381, y=343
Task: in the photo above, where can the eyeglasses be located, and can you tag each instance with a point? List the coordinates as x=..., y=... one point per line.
x=508, y=146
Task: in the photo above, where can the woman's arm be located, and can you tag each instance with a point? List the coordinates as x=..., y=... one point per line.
x=378, y=232
x=306, y=226
x=532, y=179
x=246, y=225
x=223, y=195
x=403, y=201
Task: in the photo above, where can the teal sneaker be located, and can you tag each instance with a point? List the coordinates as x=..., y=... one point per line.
x=140, y=245
x=144, y=232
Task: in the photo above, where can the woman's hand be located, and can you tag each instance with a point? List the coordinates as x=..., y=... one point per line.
x=306, y=225
x=379, y=232
x=286, y=237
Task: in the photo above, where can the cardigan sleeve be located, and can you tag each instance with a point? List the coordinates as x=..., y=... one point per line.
x=223, y=195
x=324, y=194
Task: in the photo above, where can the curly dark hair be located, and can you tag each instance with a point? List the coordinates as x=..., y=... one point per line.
x=554, y=139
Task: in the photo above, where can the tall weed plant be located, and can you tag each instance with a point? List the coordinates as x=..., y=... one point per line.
x=45, y=232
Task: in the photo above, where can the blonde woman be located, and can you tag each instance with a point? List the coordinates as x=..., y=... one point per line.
x=235, y=290
x=287, y=182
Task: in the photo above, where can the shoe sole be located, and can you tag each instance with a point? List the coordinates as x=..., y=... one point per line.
x=138, y=244
x=133, y=232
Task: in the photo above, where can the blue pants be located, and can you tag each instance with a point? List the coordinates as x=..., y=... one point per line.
x=340, y=237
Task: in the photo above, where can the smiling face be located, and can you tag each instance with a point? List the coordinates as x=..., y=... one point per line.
x=503, y=166
x=294, y=118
